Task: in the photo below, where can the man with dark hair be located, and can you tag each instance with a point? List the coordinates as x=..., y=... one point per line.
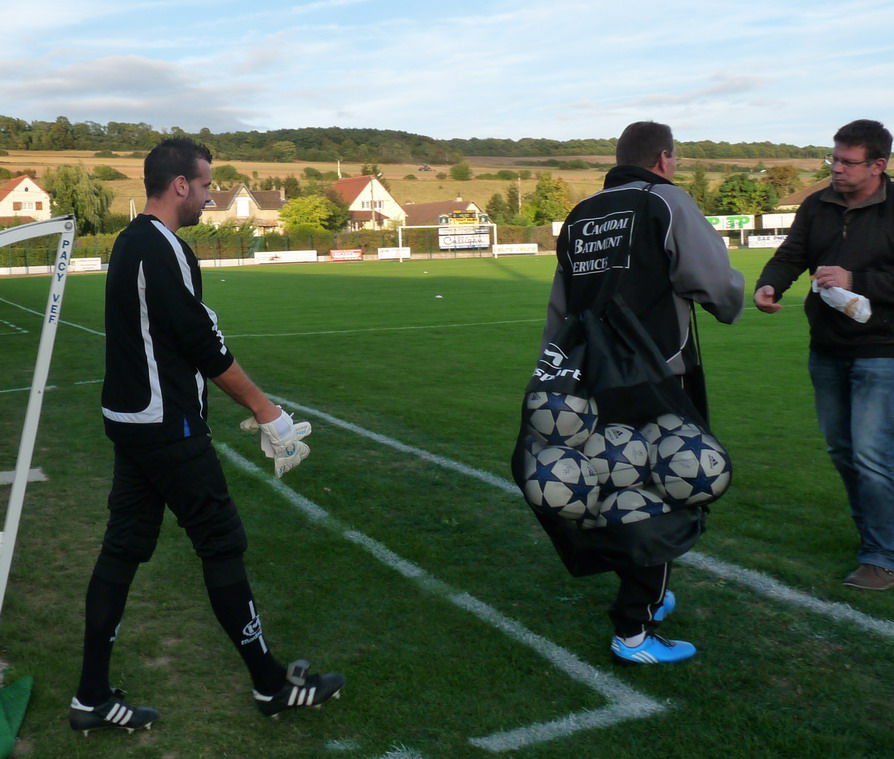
x=642, y=144
x=177, y=156
x=844, y=236
x=162, y=345
x=674, y=259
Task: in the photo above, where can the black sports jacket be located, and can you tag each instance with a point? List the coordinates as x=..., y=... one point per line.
x=860, y=239
x=677, y=257
x=162, y=342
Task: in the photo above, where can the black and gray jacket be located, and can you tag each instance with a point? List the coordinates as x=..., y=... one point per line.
x=860, y=239
x=162, y=342
x=676, y=258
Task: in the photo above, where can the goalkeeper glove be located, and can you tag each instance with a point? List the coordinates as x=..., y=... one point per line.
x=281, y=441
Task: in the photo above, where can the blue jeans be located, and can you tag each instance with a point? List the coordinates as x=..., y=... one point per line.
x=855, y=408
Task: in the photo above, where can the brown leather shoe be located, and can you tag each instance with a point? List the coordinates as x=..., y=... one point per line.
x=870, y=577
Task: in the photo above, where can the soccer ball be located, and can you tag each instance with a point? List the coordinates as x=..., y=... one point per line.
x=661, y=426
x=560, y=481
x=560, y=419
x=689, y=466
x=620, y=455
x=628, y=505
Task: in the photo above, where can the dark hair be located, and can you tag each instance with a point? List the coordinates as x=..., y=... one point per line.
x=641, y=143
x=869, y=134
x=171, y=158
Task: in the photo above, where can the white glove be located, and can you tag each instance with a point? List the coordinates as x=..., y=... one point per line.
x=281, y=441
x=855, y=306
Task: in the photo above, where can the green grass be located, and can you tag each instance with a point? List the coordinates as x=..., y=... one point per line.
x=371, y=344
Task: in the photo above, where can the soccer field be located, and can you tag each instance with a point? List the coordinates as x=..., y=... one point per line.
x=401, y=554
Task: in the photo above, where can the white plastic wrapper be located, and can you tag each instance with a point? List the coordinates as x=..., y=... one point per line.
x=850, y=304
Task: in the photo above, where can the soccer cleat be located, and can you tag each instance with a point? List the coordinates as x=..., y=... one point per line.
x=653, y=650
x=114, y=712
x=301, y=689
x=667, y=606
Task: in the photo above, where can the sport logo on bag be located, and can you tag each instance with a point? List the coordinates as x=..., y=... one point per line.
x=552, y=359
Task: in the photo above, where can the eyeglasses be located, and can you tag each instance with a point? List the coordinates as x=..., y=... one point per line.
x=832, y=159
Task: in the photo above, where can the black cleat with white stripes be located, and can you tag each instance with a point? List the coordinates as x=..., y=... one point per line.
x=301, y=689
x=114, y=712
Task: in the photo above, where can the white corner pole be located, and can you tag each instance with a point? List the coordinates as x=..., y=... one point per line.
x=64, y=226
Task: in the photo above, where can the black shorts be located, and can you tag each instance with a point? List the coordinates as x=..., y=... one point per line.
x=186, y=476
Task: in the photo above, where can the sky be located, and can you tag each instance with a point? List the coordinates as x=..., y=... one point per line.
x=783, y=71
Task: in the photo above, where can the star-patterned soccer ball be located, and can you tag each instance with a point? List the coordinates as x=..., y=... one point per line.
x=560, y=481
x=661, y=426
x=689, y=467
x=620, y=455
x=628, y=505
x=559, y=419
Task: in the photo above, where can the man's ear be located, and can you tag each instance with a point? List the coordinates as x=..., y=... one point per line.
x=180, y=186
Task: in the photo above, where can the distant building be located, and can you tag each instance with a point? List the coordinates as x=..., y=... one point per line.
x=442, y=211
x=241, y=204
x=370, y=204
x=22, y=200
x=791, y=202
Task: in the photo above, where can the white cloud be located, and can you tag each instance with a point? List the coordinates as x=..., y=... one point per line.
x=492, y=68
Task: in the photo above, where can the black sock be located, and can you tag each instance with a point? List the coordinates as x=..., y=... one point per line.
x=234, y=608
x=104, y=608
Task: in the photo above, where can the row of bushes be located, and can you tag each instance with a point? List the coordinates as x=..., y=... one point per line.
x=238, y=244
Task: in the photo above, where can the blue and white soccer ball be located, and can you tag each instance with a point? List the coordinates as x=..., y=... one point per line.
x=661, y=426
x=560, y=419
x=689, y=467
x=620, y=455
x=628, y=505
x=560, y=481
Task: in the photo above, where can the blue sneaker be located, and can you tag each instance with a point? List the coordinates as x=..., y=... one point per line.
x=667, y=606
x=653, y=650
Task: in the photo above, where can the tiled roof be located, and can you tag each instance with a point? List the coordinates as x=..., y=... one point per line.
x=427, y=213
x=222, y=199
x=13, y=183
x=351, y=187
x=796, y=198
x=269, y=200
x=266, y=200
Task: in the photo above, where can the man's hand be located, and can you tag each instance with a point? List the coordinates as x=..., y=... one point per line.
x=281, y=441
x=833, y=276
x=765, y=299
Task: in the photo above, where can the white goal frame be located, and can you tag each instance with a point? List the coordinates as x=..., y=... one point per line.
x=65, y=227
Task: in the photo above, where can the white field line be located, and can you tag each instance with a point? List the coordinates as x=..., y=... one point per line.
x=61, y=321
x=756, y=581
x=625, y=702
x=25, y=389
x=13, y=329
x=386, y=329
x=34, y=475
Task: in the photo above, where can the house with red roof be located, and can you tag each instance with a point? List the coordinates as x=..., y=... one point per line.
x=23, y=200
x=241, y=204
x=370, y=203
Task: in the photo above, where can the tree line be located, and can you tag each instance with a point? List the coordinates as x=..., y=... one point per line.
x=336, y=143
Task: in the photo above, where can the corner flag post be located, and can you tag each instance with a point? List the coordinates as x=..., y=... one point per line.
x=64, y=226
